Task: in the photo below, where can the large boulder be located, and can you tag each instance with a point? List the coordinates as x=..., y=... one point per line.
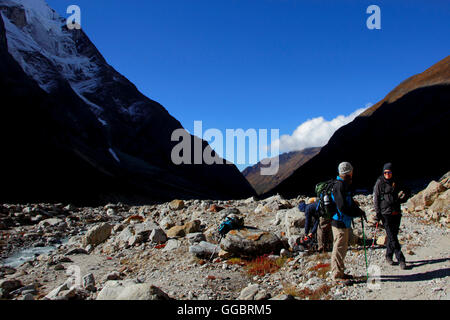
x=426, y=197
x=251, y=242
x=432, y=192
x=130, y=290
x=442, y=203
x=9, y=285
x=97, y=234
x=294, y=221
x=436, y=197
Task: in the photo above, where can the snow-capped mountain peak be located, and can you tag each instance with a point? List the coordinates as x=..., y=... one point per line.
x=46, y=50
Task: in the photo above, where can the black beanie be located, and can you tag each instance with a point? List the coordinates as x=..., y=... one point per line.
x=387, y=166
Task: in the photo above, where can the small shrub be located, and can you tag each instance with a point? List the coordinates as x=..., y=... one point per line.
x=263, y=265
x=321, y=269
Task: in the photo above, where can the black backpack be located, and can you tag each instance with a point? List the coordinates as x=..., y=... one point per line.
x=326, y=206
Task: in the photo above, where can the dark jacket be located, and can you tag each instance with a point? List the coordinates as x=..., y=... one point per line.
x=385, y=197
x=346, y=207
x=312, y=211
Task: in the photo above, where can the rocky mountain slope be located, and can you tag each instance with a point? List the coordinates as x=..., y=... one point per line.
x=288, y=163
x=408, y=128
x=73, y=129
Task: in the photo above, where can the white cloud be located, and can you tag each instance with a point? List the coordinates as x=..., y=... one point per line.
x=315, y=132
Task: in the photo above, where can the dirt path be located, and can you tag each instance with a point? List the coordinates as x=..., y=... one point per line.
x=428, y=273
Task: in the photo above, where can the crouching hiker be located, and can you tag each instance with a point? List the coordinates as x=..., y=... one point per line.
x=311, y=220
x=387, y=198
x=346, y=211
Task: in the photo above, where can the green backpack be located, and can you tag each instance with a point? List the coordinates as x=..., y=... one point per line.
x=326, y=206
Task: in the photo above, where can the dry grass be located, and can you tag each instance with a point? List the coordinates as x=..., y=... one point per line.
x=237, y=261
x=321, y=293
x=259, y=266
x=263, y=265
x=321, y=269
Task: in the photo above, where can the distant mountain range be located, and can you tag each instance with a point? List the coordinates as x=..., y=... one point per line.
x=288, y=163
x=409, y=127
x=72, y=129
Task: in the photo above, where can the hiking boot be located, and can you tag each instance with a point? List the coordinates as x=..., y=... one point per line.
x=343, y=280
x=402, y=265
x=389, y=261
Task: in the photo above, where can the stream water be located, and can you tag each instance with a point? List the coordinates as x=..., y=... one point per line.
x=28, y=254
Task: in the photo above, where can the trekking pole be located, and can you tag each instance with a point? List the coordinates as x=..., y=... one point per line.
x=365, y=251
x=375, y=236
x=214, y=251
x=373, y=243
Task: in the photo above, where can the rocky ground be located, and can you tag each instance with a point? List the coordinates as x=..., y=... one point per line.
x=163, y=252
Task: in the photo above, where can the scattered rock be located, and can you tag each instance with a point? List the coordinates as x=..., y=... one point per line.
x=158, y=236
x=176, y=204
x=115, y=275
x=172, y=244
x=97, y=234
x=76, y=251
x=381, y=240
x=192, y=227
x=59, y=267
x=204, y=249
x=195, y=237
x=176, y=231
x=89, y=282
x=50, y=222
x=249, y=292
x=145, y=229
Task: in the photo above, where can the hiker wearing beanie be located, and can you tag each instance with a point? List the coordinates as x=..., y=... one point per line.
x=346, y=211
x=387, y=198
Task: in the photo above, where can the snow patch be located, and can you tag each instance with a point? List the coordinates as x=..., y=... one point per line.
x=94, y=108
x=114, y=155
x=103, y=122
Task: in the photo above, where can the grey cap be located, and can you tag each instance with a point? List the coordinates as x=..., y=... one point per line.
x=344, y=168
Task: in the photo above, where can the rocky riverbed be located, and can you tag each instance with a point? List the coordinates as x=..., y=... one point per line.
x=170, y=251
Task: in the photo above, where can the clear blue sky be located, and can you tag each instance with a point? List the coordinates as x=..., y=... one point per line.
x=264, y=63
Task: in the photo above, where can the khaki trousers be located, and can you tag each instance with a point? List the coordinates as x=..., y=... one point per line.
x=340, y=246
x=324, y=234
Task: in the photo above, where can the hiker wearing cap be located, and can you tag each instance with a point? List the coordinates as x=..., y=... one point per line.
x=387, y=199
x=346, y=211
